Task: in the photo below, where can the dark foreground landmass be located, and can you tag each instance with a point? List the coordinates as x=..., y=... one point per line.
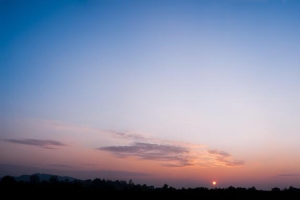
x=34, y=188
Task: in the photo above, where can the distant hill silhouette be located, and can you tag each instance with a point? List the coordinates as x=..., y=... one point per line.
x=43, y=177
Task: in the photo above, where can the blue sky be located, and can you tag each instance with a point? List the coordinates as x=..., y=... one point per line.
x=219, y=74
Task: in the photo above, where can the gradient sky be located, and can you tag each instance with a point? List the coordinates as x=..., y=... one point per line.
x=153, y=91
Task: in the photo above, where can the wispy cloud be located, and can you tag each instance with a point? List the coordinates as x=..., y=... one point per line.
x=225, y=158
x=48, y=144
x=171, y=153
x=149, y=151
x=219, y=153
x=128, y=136
x=142, y=146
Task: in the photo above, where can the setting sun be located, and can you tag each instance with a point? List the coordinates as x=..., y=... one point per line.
x=214, y=182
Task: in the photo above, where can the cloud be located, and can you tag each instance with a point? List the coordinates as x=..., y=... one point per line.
x=138, y=145
x=219, y=153
x=127, y=136
x=170, y=153
x=48, y=144
x=225, y=158
x=148, y=151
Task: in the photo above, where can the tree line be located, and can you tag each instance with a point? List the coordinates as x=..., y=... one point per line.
x=120, y=188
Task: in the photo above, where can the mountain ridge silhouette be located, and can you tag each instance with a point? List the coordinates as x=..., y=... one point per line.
x=43, y=177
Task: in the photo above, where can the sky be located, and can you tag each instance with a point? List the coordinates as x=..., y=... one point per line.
x=177, y=92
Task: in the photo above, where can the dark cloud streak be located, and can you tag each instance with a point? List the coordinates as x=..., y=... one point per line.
x=48, y=144
x=149, y=151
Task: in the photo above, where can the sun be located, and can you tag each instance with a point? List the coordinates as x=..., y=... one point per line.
x=214, y=183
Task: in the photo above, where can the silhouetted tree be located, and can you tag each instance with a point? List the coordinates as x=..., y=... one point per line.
x=34, y=179
x=53, y=179
x=165, y=186
x=8, y=180
x=275, y=189
x=131, y=183
x=252, y=188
